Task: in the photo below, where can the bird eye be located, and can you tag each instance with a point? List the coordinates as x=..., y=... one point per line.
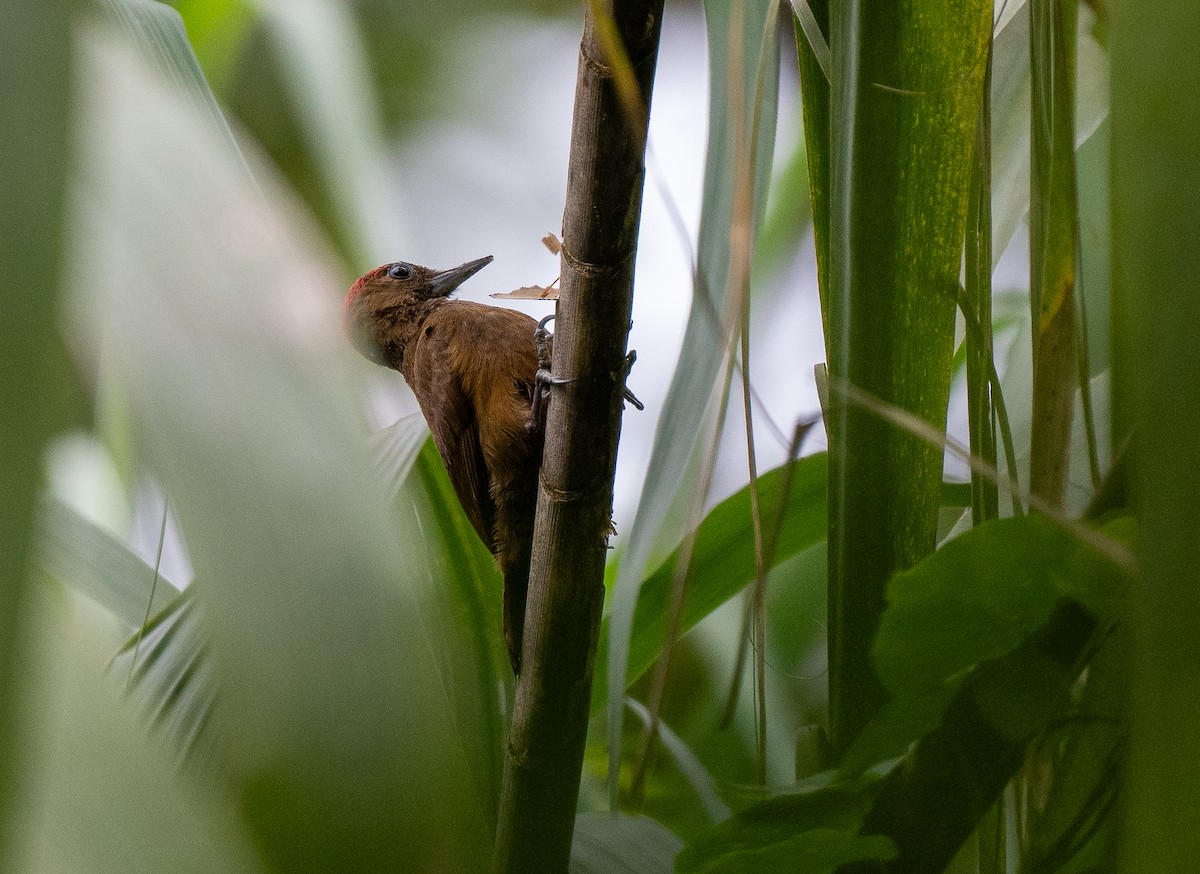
x=400, y=271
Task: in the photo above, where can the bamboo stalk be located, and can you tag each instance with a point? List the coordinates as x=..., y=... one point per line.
x=566, y=590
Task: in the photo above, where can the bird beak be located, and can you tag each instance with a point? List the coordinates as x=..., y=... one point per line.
x=445, y=281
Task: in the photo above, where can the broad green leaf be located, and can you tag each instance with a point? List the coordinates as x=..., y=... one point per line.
x=35, y=106
x=810, y=831
x=976, y=598
x=616, y=843
x=81, y=555
x=1022, y=693
x=690, y=411
x=723, y=563
x=901, y=721
x=329, y=640
x=963, y=614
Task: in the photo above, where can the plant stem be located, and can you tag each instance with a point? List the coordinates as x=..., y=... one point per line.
x=566, y=589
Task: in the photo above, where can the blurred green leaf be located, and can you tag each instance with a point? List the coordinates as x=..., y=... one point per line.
x=173, y=676
x=722, y=564
x=35, y=105
x=105, y=797
x=80, y=554
x=329, y=643
x=1155, y=180
x=689, y=411
x=616, y=843
x=324, y=69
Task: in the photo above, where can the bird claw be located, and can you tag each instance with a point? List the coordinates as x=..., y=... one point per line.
x=625, y=392
x=544, y=379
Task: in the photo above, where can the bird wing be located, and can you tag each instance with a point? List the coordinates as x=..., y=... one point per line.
x=452, y=416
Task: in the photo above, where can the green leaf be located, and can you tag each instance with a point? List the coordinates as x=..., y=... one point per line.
x=35, y=105
x=616, y=843
x=722, y=564
x=330, y=639
x=976, y=598
x=985, y=592
x=80, y=554
x=1155, y=180
x=1021, y=693
x=962, y=615
x=168, y=667
x=105, y=798
x=689, y=411
x=811, y=832
x=324, y=69
x=902, y=720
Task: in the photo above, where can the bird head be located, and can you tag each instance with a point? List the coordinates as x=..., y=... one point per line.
x=396, y=296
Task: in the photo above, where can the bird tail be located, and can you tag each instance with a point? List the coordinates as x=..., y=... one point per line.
x=515, y=518
x=516, y=591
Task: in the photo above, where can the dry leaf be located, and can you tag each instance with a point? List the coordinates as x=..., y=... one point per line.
x=529, y=292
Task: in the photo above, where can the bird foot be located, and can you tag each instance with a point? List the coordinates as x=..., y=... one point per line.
x=625, y=392
x=543, y=379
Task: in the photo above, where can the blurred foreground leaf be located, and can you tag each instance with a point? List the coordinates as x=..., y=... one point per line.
x=35, y=103
x=336, y=656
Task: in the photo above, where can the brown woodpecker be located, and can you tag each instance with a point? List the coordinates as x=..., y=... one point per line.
x=473, y=369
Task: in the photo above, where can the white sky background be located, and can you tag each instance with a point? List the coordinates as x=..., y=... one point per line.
x=491, y=181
